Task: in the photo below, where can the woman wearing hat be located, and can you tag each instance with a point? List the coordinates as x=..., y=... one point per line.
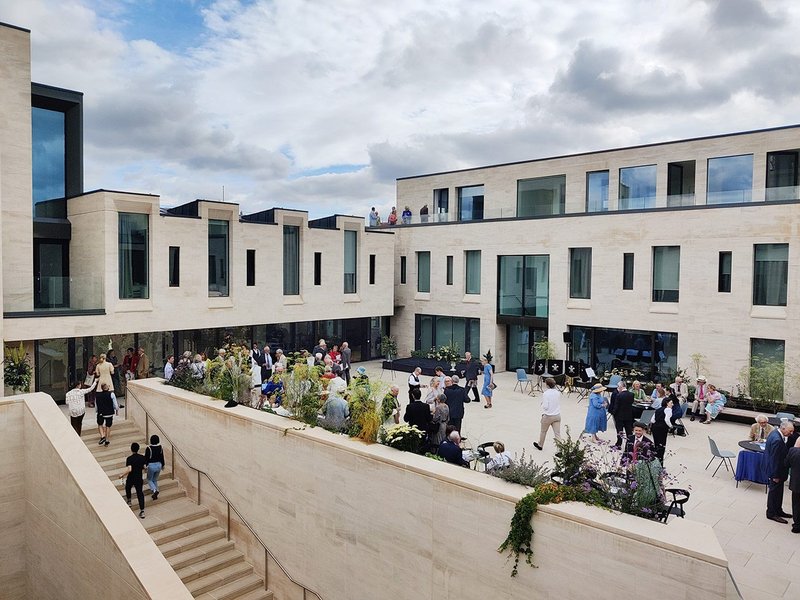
x=596, y=417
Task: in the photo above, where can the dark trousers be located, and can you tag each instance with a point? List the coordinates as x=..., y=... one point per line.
x=456, y=423
x=620, y=424
x=796, y=510
x=476, y=397
x=347, y=375
x=137, y=485
x=77, y=423
x=775, y=499
x=265, y=373
x=660, y=440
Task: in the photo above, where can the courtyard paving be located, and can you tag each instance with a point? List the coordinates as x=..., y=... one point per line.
x=764, y=556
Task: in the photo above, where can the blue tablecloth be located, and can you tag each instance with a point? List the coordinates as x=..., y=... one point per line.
x=750, y=467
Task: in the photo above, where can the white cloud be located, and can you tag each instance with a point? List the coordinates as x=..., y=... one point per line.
x=275, y=89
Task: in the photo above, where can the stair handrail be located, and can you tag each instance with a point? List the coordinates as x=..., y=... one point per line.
x=267, y=551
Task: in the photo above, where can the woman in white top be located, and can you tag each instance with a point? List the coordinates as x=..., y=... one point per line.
x=501, y=459
x=434, y=391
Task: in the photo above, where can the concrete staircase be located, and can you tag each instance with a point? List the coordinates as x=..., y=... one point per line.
x=188, y=536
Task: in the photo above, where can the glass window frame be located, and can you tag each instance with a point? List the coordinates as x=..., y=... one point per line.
x=372, y=260
x=250, y=267
x=317, y=268
x=729, y=193
x=580, y=283
x=763, y=295
x=469, y=209
x=424, y=272
x=128, y=288
x=174, y=266
x=403, y=270
x=291, y=260
x=557, y=205
x=594, y=204
x=627, y=270
x=448, y=278
x=350, y=262
x=644, y=176
x=472, y=272
x=661, y=256
x=219, y=285
x=724, y=272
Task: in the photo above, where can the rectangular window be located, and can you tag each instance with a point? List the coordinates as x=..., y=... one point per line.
x=724, y=276
x=541, y=196
x=317, y=268
x=174, y=266
x=350, y=261
x=770, y=274
x=597, y=191
x=524, y=286
x=48, y=162
x=218, y=258
x=449, y=271
x=291, y=260
x=782, y=175
x=424, y=272
x=666, y=273
x=251, y=268
x=434, y=330
x=580, y=272
x=472, y=275
x=133, y=255
x=372, y=269
x=403, y=268
x=680, y=183
x=627, y=271
x=730, y=179
x=637, y=187
x=470, y=203
x=441, y=203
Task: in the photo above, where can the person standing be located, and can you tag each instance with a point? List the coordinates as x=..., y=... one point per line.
x=406, y=216
x=622, y=409
x=414, y=383
x=456, y=397
x=143, y=365
x=169, y=367
x=596, y=416
x=134, y=464
x=105, y=413
x=345, y=354
x=488, y=383
x=470, y=373
x=441, y=415
x=793, y=463
x=257, y=358
x=76, y=403
x=551, y=412
x=423, y=213
x=393, y=217
x=154, y=460
x=266, y=366
x=700, y=398
x=681, y=391
x=660, y=427
x=374, y=218
x=114, y=361
x=418, y=413
x=775, y=466
x=91, y=369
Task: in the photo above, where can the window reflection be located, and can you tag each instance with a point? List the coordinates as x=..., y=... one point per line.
x=730, y=179
x=637, y=187
x=597, y=191
x=470, y=203
x=541, y=196
x=48, y=158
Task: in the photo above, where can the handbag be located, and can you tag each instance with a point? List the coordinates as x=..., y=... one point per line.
x=493, y=386
x=89, y=380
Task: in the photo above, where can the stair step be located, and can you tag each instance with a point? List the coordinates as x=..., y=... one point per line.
x=183, y=529
x=191, y=541
x=219, y=578
x=199, y=553
x=164, y=496
x=117, y=441
x=258, y=594
x=193, y=512
x=235, y=589
x=164, y=483
x=90, y=433
x=204, y=567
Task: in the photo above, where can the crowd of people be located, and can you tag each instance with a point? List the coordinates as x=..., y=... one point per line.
x=405, y=217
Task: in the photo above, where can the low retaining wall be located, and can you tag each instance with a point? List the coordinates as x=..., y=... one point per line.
x=70, y=532
x=358, y=521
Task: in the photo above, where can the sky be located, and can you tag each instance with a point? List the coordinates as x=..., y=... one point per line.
x=321, y=105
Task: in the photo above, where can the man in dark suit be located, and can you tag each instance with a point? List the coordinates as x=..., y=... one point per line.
x=621, y=407
x=456, y=397
x=450, y=450
x=417, y=413
x=775, y=465
x=638, y=446
x=469, y=371
x=793, y=462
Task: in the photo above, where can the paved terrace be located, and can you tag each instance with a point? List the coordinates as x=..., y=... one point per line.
x=764, y=556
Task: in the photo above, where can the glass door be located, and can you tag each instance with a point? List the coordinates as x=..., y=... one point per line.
x=51, y=273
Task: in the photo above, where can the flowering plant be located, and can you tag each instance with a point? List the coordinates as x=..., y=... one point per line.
x=403, y=437
x=447, y=353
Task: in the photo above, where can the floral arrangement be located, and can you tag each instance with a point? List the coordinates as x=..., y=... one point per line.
x=403, y=437
x=448, y=353
x=17, y=369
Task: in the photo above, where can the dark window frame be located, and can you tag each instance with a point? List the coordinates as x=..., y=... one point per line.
x=251, y=267
x=723, y=277
x=628, y=265
x=174, y=266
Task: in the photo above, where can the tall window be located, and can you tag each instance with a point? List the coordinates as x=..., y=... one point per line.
x=251, y=268
x=174, y=266
x=637, y=187
x=770, y=274
x=730, y=179
x=217, y=258
x=423, y=271
x=435, y=330
x=317, y=268
x=133, y=255
x=350, y=261
x=597, y=191
x=441, y=202
x=291, y=260
x=470, y=203
x=666, y=273
x=48, y=154
x=523, y=289
x=782, y=175
x=372, y=269
x=472, y=277
x=403, y=269
x=449, y=270
x=580, y=272
x=627, y=271
x=724, y=275
x=541, y=196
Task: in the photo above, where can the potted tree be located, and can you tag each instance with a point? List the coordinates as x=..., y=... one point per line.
x=17, y=371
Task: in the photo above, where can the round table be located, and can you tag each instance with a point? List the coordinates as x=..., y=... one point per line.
x=750, y=463
x=752, y=446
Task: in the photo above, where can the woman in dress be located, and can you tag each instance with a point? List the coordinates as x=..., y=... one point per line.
x=660, y=427
x=103, y=370
x=596, y=417
x=433, y=392
x=488, y=383
x=714, y=403
x=441, y=414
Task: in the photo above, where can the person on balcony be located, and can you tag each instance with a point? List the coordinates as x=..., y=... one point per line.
x=406, y=216
x=374, y=218
x=393, y=217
